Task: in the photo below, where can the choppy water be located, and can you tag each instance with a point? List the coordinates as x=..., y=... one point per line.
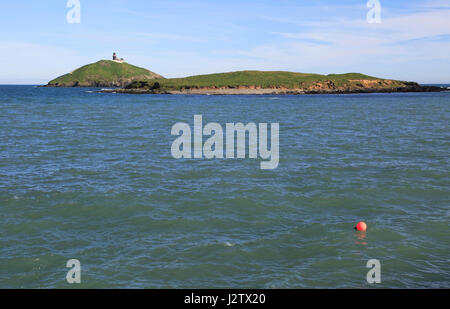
x=90, y=176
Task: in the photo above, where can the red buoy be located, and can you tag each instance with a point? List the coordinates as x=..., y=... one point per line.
x=361, y=226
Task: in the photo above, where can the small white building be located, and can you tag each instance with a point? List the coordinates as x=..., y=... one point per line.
x=116, y=59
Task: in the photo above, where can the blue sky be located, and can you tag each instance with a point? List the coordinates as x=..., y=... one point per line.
x=181, y=38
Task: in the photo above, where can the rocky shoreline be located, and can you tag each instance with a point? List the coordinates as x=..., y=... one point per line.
x=249, y=90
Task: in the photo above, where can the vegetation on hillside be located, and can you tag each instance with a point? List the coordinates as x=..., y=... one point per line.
x=262, y=79
x=104, y=73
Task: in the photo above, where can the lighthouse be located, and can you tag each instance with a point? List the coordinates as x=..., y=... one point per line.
x=116, y=59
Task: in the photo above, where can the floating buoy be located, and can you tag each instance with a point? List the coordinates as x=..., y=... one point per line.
x=361, y=226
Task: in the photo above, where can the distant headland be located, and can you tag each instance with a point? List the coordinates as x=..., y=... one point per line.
x=135, y=80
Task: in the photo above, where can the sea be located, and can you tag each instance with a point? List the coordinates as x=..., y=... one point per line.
x=90, y=177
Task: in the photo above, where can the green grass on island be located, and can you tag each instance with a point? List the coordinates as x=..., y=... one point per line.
x=108, y=73
x=262, y=79
x=104, y=73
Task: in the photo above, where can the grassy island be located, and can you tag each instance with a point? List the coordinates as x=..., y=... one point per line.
x=133, y=79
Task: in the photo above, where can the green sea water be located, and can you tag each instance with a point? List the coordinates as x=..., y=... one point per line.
x=90, y=176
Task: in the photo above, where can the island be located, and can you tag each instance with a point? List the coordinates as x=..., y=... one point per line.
x=135, y=80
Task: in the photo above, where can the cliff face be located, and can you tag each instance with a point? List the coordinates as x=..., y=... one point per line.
x=104, y=73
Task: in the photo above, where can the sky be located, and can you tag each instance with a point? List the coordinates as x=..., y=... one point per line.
x=182, y=38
